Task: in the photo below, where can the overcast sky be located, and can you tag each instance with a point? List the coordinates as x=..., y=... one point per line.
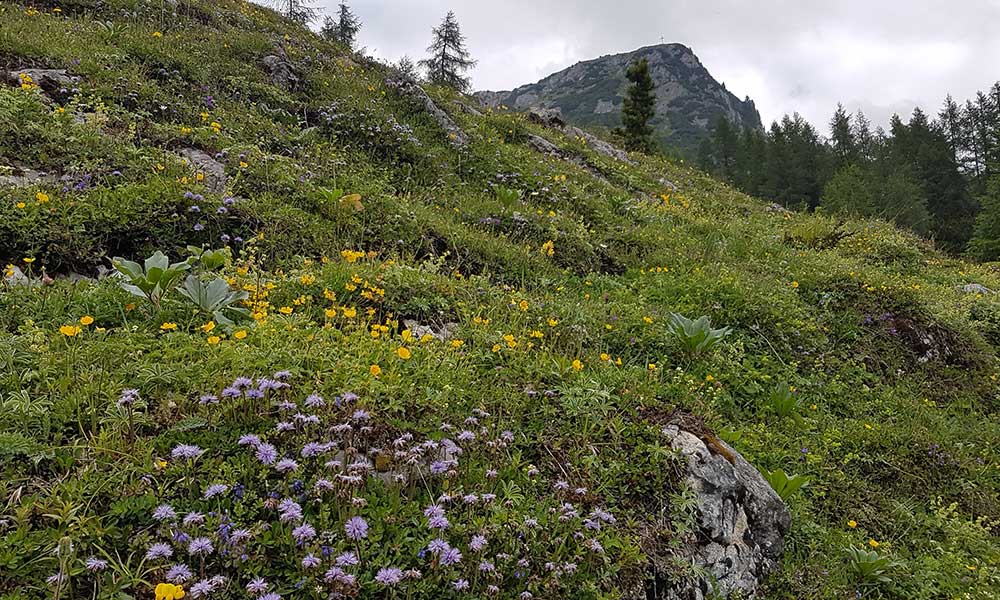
x=883, y=56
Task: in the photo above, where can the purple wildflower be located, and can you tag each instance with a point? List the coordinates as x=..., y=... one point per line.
x=208, y=399
x=266, y=453
x=310, y=561
x=315, y=401
x=460, y=585
x=437, y=546
x=164, y=512
x=216, y=489
x=200, y=545
x=186, y=451
x=347, y=559
x=159, y=550
x=286, y=465
x=389, y=577
x=304, y=533
x=95, y=564
x=194, y=518
x=451, y=556
x=478, y=543
x=179, y=573
x=257, y=586
x=249, y=439
x=356, y=528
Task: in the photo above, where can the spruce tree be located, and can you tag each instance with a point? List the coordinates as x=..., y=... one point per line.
x=844, y=146
x=448, y=58
x=407, y=68
x=639, y=107
x=347, y=26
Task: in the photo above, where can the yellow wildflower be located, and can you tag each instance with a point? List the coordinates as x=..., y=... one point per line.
x=70, y=330
x=457, y=343
x=523, y=305
x=208, y=327
x=286, y=310
x=20, y=205
x=157, y=34
x=86, y=320
x=375, y=370
x=404, y=353
x=873, y=543
x=213, y=340
x=852, y=524
x=240, y=335
x=577, y=365
x=549, y=248
x=553, y=322
x=168, y=591
x=42, y=197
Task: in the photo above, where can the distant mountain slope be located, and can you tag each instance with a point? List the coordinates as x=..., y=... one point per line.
x=590, y=93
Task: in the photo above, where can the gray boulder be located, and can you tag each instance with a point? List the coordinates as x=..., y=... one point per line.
x=280, y=69
x=975, y=288
x=548, y=117
x=741, y=521
x=216, y=180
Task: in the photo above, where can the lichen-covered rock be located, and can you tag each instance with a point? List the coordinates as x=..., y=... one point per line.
x=741, y=521
x=57, y=84
x=442, y=333
x=975, y=288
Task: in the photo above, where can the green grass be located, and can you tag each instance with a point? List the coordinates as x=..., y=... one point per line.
x=894, y=369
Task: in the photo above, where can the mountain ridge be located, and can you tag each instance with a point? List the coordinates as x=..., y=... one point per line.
x=590, y=92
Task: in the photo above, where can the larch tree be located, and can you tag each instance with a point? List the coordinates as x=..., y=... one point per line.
x=344, y=29
x=449, y=59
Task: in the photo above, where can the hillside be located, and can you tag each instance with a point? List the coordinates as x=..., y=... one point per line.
x=590, y=93
x=430, y=350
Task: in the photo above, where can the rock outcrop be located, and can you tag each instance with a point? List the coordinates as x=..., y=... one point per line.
x=553, y=119
x=741, y=521
x=216, y=180
x=281, y=71
x=406, y=87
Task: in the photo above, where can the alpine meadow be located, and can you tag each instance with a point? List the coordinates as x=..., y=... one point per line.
x=280, y=320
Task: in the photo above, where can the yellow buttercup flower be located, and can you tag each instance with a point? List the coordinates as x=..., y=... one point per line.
x=42, y=197
x=577, y=365
x=553, y=322
x=21, y=205
x=285, y=310
x=523, y=305
x=169, y=327
x=86, y=320
x=240, y=335
x=852, y=524
x=157, y=34
x=873, y=543
x=207, y=327
x=404, y=353
x=168, y=591
x=375, y=370
x=457, y=343
x=213, y=340
x=70, y=330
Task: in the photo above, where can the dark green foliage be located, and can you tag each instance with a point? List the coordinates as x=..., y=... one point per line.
x=344, y=29
x=861, y=192
x=449, y=59
x=639, y=107
x=985, y=244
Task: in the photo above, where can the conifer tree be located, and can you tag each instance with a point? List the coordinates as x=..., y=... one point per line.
x=407, y=68
x=985, y=243
x=299, y=11
x=344, y=29
x=639, y=107
x=844, y=146
x=449, y=59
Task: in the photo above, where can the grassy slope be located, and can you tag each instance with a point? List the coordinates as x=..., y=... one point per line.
x=904, y=447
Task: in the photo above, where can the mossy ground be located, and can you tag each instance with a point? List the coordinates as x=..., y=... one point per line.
x=895, y=369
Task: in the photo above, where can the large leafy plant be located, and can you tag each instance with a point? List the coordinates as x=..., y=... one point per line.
x=868, y=566
x=784, y=403
x=696, y=336
x=215, y=298
x=784, y=484
x=153, y=279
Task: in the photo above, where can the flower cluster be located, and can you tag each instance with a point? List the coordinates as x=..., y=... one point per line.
x=329, y=498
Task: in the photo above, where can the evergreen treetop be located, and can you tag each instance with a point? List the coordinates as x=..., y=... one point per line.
x=449, y=59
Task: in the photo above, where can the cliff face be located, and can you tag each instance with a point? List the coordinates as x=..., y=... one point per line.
x=689, y=99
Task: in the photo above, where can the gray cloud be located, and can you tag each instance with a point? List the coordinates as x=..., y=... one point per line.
x=883, y=56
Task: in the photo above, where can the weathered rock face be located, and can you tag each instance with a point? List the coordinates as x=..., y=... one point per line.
x=975, y=288
x=552, y=118
x=214, y=171
x=55, y=83
x=741, y=521
x=281, y=71
x=407, y=87
x=689, y=99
